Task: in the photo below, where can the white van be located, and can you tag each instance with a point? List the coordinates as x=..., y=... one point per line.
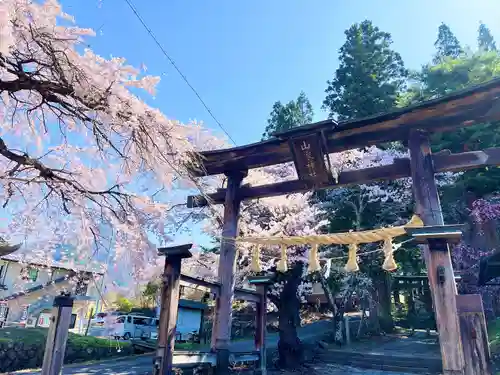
x=184, y=330
x=131, y=326
x=101, y=324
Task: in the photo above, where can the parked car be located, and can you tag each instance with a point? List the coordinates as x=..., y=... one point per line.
x=189, y=336
x=131, y=326
x=100, y=324
x=153, y=332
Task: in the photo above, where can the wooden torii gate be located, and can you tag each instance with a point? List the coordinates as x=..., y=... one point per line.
x=307, y=146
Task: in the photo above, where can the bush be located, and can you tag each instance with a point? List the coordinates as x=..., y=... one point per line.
x=22, y=348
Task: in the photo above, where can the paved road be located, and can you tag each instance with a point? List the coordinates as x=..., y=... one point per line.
x=141, y=365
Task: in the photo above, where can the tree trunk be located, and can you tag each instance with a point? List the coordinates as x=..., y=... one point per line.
x=383, y=290
x=291, y=352
x=373, y=319
x=330, y=299
x=338, y=316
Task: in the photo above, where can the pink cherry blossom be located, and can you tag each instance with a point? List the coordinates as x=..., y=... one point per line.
x=83, y=160
x=483, y=211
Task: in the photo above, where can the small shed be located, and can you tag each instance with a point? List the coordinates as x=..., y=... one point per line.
x=417, y=295
x=190, y=318
x=489, y=269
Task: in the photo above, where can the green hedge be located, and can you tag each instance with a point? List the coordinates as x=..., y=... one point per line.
x=23, y=348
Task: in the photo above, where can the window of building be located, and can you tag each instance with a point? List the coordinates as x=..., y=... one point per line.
x=4, y=312
x=3, y=272
x=82, y=286
x=32, y=274
x=29, y=274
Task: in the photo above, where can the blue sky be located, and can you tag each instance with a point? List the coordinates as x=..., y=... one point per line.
x=242, y=56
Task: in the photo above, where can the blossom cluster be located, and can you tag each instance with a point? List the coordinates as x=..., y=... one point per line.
x=484, y=211
x=84, y=161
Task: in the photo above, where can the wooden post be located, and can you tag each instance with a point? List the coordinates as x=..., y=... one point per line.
x=474, y=335
x=227, y=258
x=396, y=295
x=262, y=284
x=213, y=336
x=55, y=346
x=260, y=330
x=443, y=288
x=169, y=306
x=89, y=319
x=347, y=330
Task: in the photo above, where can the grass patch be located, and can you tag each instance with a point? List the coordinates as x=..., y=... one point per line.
x=494, y=335
x=24, y=348
x=190, y=346
x=38, y=336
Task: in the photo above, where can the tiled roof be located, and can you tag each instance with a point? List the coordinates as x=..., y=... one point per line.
x=35, y=288
x=27, y=258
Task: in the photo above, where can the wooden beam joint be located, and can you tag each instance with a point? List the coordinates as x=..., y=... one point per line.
x=437, y=237
x=438, y=244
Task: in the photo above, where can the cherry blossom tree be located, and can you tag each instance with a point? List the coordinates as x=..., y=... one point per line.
x=202, y=265
x=480, y=239
x=372, y=205
x=83, y=160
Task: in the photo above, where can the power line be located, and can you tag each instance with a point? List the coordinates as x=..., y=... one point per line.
x=132, y=7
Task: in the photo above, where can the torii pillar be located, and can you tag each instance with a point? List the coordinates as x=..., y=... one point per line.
x=437, y=260
x=227, y=261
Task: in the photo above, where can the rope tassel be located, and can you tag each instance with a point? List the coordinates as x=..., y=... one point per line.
x=313, y=259
x=352, y=262
x=389, y=262
x=255, y=267
x=282, y=264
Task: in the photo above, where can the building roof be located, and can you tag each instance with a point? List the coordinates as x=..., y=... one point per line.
x=34, y=289
x=193, y=305
x=30, y=259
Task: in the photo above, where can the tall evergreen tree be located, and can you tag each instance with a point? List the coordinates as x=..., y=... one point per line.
x=369, y=77
x=458, y=74
x=368, y=81
x=294, y=113
x=447, y=44
x=485, y=40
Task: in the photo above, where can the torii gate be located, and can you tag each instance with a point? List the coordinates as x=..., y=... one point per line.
x=307, y=145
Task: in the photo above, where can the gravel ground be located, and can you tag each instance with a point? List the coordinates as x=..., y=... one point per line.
x=142, y=366
x=332, y=369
